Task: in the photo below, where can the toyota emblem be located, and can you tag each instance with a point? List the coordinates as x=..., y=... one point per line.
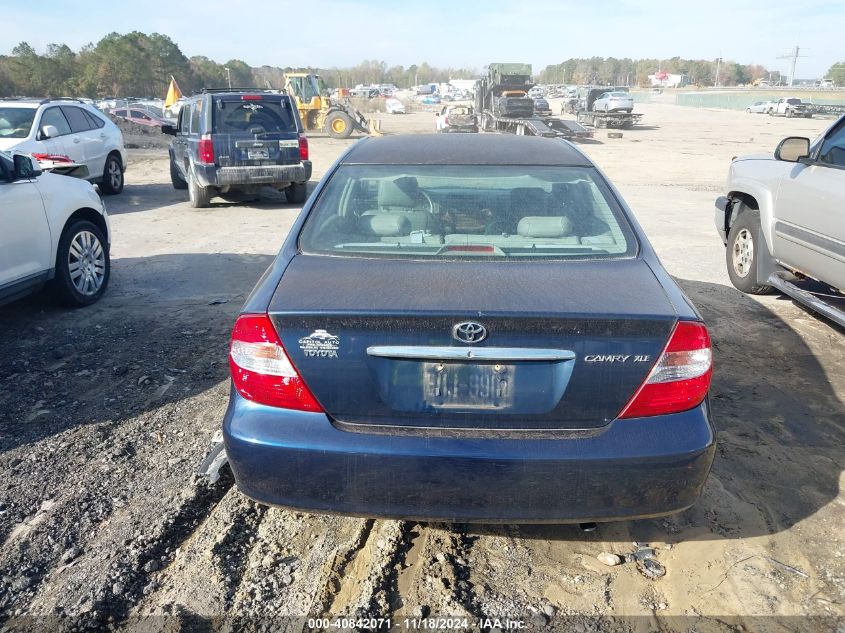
x=469, y=332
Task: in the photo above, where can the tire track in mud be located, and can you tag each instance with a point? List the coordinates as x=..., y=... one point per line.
x=207, y=568
x=337, y=570
x=177, y=527
x=369, y=577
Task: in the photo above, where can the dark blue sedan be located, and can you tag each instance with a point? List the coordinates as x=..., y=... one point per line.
x=469, y=328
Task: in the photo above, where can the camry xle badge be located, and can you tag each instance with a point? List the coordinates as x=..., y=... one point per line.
x=615, y=358
x=320, y=343
x=469, y=332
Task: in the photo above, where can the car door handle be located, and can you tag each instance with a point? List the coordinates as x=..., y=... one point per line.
x=76, y=139
x=426, y=352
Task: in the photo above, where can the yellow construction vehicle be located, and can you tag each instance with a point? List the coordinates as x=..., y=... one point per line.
x=338, y=118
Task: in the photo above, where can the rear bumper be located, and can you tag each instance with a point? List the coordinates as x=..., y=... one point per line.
x=214, y=176
x=629, y=469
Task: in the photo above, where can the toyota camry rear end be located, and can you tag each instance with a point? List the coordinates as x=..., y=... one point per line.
x=469, y=329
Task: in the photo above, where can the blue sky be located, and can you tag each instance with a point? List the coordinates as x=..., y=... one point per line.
x=455, y=33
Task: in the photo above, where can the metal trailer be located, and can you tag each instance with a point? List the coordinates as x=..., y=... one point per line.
x=824, y=108
x=623, y=120
x=582, y=108
x=499, y=112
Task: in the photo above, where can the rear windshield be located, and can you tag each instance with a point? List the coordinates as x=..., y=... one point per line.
x=793, y=101
x=16, y=122
x=253, y=115
x=463, y=211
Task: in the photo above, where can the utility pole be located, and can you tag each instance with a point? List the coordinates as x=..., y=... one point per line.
x=718, y=64
x=793, y=55
x=228, y=77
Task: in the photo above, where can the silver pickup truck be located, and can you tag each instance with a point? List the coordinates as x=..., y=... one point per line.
x=783, y=221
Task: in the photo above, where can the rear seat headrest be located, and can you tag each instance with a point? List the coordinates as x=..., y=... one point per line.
x=386, y=224
x=396, y=193
x=544, y=226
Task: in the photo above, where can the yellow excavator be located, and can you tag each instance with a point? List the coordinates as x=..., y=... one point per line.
x=338, y=118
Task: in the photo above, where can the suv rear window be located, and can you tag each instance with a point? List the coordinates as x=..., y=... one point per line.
x=245, y=114
x=16, y=122
x=426, y=211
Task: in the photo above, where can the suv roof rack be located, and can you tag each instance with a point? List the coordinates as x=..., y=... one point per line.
x=268, y=91
x=43, y=101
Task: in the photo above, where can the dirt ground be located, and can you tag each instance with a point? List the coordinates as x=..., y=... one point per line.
x=106, y=412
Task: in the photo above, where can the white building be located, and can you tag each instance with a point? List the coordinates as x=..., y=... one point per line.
x=666, y=80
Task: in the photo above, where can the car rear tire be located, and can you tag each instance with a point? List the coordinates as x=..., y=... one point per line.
x=176, y=177
x=297, y=192
x=112, y=182
x=743, y=251
x=339, y=125
x=198, y=196
x=82, y=264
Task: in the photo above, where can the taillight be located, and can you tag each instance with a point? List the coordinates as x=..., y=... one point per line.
x=303, y=147
x=446, y=120
x=680, y=378
x=262, y=371
x=206, y=150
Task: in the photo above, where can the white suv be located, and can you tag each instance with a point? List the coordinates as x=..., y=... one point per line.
x=54, y=228
x=66, y=127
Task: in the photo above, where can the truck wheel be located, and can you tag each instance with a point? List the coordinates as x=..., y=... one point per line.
x=176, y=177
x=197, y=194
x=789, y=114
x=743, y=251
x=339, y=125
x=296, y=192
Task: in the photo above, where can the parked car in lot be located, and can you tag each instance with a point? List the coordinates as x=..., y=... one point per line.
x=394, y=106
x=140, y=116
x=782, y=220
x=790, y=107
x=365, y=93
x=226, y=141
x=542, y=107
x=614, y=102
x=54, y=230
x=457, y=118
x=70, y=128
x=759, y=107
x=517, y=353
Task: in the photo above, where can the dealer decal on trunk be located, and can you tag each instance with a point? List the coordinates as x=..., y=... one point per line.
x=320, y=343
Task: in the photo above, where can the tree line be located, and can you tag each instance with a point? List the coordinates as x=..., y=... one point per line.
x=635, y=72
x=140, y=65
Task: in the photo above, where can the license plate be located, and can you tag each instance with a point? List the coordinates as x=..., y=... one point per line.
x=261, y=153
x=468, y=386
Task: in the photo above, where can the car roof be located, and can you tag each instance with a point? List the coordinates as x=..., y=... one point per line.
x=20, y=103
x=464, y=149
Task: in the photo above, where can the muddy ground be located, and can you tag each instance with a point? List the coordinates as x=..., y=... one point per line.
x=106, y=412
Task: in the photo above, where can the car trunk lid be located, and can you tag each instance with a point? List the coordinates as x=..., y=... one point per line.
x=566, y=346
